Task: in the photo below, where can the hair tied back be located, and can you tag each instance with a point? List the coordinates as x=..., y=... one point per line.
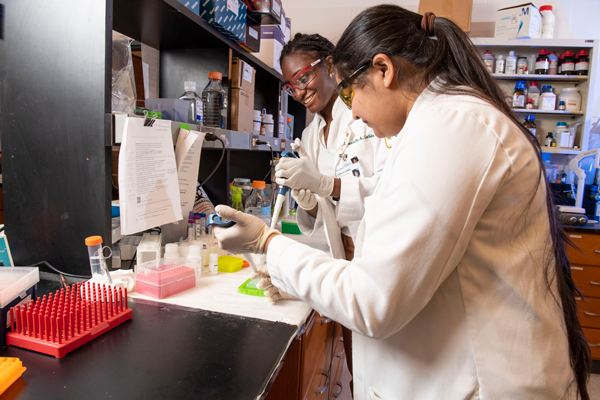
x=427, y=23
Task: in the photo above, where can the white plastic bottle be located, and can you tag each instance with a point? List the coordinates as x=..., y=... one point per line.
x=511, y=63
x=171, y=251
x=213, y=267
x=500, y=64
x=256, y=119
x=195, y=259
x=547, y=22
x=281, y=126
x=195, y=111
x=488, y=61
x=268, y=124
x=534, y=93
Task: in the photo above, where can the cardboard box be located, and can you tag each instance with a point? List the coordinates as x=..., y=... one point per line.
x=242, y=75
x=459, y=11
x=271, y=45
x=228, y=16
x=523, y=21
x=193, y=5
x=242, y=110
x=268, y=12
x=252, y=43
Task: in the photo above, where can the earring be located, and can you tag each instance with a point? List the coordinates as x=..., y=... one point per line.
x=331, y=75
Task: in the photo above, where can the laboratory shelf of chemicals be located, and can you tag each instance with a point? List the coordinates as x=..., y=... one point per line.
x=58, y=144
x=528, y=52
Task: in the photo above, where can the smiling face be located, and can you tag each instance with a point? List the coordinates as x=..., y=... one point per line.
x=320, y=92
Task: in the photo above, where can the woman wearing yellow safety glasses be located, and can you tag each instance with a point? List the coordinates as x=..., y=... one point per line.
x=460, y=287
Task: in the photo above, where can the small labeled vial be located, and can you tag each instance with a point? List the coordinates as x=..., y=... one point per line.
x=213, y=264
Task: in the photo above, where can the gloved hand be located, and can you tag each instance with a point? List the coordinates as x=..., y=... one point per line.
x=248, y=235
x=305, y=199
x=301, y=173
x=274, y=293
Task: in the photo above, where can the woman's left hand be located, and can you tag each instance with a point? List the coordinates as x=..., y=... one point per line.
x=301, y=173
x=273, y=292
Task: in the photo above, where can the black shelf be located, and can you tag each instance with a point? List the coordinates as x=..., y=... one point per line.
x=169, y=25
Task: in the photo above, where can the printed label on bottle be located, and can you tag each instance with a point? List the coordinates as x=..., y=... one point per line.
x=511, y=67
x=542, y=64
x=489, y=65
x=535, y=97
x=532, y=130
x=568, y=66
x=254, y=210
x=572, y=103
x=548, y=102
x=198, y=112
x=582, y=66
x=265, y=210
x=518, y=100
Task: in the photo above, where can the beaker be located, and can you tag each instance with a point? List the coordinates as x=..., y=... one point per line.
x=97, y=259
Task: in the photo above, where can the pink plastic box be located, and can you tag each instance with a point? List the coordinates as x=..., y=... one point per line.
x=160, y=281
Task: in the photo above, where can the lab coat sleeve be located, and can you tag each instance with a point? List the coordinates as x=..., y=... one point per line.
x=307, y=223
x=415, y=231
x=353, y=191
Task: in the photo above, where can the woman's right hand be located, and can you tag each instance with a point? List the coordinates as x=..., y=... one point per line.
x=305, y=199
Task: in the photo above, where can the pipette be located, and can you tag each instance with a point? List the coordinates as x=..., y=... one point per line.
x=215, y=219
x=281, y=194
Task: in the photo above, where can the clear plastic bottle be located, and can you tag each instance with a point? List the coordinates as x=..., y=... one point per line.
x=534, y=93
x=258, y=204
x=195, y=110
x=553, y=70
x=511, y=63
x=214, y=99
x=488, y=61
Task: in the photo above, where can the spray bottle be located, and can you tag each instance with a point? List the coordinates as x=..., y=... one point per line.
x=281, y=194
x=236, y=198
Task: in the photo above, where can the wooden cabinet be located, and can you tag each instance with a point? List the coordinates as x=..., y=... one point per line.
x=314, y=364
x=585, y=269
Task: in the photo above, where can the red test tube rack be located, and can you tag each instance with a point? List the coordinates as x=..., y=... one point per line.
x=60, y=323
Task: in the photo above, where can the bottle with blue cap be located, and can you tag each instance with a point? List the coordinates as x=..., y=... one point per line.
x=547, y=98
x=530, y=124
x=519, y=95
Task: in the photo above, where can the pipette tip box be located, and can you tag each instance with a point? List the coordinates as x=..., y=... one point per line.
x=249, y=288
x=160, y=281
x=230, y=264
x=290, y=227
x=61, y=322
x=17, y=286
x=11, y=369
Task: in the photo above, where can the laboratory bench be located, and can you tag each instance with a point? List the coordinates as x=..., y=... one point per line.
x=164, y=352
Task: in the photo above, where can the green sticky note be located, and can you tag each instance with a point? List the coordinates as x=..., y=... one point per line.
x=184, y=126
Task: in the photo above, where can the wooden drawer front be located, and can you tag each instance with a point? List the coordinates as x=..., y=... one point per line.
x=318, y=332
x=593, y=338
x=337, y=367
x=589, y=244
x=320, y=381
x=589, y=312
x=587, y=279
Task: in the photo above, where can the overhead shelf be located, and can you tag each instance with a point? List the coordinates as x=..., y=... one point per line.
x=535, y=77
x=168, y=25
x=554, y=43
x=557, y=112
x=560, y=150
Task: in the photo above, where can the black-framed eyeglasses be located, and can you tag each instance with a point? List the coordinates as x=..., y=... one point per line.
x=345, y=90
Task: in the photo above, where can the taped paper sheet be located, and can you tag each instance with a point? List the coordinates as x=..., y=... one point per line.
x=148, y=183
x=187, y=156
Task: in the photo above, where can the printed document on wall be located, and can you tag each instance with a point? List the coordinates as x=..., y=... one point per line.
x=148, y=183
x=187, y=155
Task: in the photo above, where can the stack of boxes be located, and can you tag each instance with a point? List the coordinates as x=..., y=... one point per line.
x=242, y=95
x=227, y=16
x=275, y=32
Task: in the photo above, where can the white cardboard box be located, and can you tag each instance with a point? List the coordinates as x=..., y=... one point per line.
x=523, y=21
x=271, y=45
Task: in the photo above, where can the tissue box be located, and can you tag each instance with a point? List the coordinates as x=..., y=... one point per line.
x=271, y=45
x=228, y=16
x=193, y=5
x=17, y=287
x=523, y=21
x=268, y=12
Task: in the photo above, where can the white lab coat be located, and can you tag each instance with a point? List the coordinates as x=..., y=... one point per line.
x=445, y=295
x=348, y=138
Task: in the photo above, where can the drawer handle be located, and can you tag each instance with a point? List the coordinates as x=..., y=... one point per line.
x=341, y=353
x=594, y=345
x=338, y=394
x=591, y=314
x=596, y=251
x=594, y=283
x=326, y=320
x=322, y=389
x=577, y=268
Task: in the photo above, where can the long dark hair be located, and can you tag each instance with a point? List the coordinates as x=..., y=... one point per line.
x=419, y=59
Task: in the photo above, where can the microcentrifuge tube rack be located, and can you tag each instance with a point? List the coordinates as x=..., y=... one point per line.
x=57, y=325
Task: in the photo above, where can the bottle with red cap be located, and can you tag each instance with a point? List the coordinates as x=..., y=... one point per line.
x=582, y=65
x=542, y=63
x=547, y=22
x=568, y=65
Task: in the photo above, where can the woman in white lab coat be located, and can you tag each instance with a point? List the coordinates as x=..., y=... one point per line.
x=347, y=157
x=460, y=287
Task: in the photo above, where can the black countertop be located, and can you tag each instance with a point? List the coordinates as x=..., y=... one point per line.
x=590, y=228
x=165, y=352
